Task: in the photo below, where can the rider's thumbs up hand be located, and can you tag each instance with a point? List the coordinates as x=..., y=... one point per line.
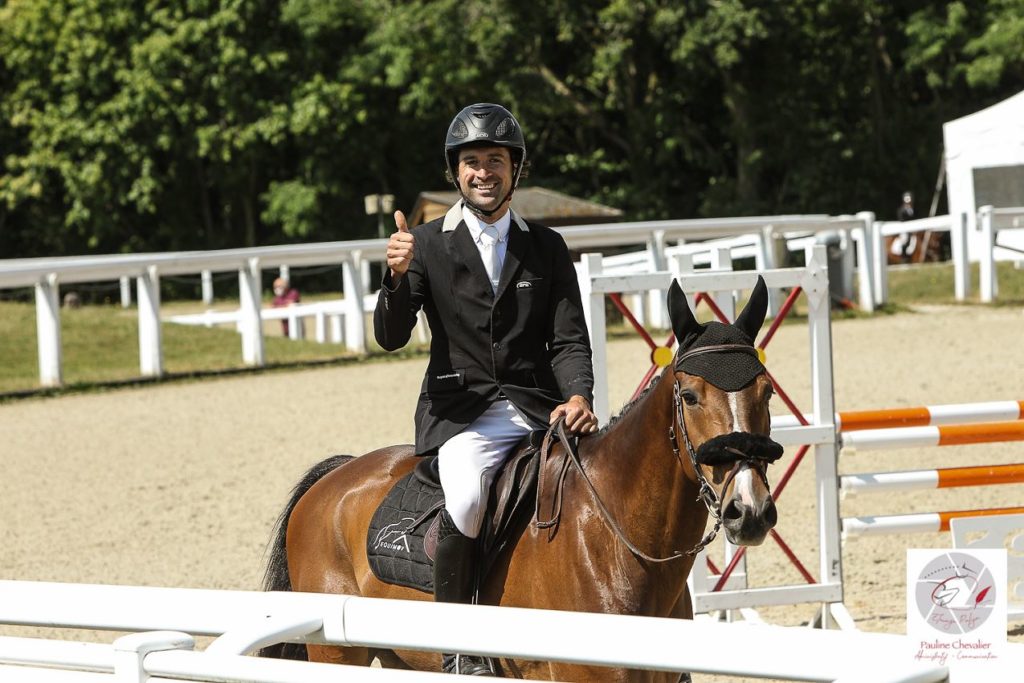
x=400, y=222
x=400, y=248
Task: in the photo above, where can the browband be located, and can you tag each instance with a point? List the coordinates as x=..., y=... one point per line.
x=715, y=348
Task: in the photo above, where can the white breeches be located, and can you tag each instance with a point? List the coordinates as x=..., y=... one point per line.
x=469, y=461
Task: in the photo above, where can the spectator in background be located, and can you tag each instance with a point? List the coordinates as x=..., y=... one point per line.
x=906, y=210
x=904, y=244
x=284, y=295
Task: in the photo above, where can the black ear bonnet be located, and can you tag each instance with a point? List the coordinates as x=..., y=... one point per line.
x=701, y=351
x=729, y=369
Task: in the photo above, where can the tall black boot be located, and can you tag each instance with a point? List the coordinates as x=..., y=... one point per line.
x=454, y=576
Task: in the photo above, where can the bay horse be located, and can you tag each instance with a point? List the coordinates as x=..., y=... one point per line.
x=646, y=484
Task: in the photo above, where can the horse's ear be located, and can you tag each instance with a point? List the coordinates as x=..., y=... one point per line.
x=750, y=320
x=683, y=322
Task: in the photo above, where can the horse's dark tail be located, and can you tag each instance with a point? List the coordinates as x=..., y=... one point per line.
x=276, y=577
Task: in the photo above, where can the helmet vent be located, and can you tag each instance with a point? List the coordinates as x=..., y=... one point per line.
x=459, y=130
x=505, y=128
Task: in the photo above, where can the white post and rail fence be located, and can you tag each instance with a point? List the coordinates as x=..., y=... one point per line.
x=164, y=623
x=47, y=275
x=766, y=238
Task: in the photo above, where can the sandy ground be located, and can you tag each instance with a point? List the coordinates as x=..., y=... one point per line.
x=179, y=485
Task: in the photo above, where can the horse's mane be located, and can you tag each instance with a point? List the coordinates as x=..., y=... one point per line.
x=629, y=406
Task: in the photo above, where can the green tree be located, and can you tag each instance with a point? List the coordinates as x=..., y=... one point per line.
x=152, y=126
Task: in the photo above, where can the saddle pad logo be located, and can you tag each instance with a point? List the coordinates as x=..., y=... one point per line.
x=394, y=536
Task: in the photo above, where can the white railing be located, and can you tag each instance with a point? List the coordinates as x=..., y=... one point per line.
x=753, y=235
x=989, y=222
x=244, y=621
x=883, y=229
x=328, y=317
x=46, y=275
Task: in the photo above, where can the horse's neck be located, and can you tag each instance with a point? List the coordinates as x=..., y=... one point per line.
x=644, y=480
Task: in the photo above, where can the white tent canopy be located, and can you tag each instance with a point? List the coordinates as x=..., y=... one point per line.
x=985, y=165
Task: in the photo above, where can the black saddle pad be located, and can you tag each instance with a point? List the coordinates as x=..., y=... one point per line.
x=395, y=541
x=402, y=537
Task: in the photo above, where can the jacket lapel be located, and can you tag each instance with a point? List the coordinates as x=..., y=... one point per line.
x=518, y=246
x=463, y=251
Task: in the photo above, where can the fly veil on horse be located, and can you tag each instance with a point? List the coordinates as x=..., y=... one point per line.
x=632, y=508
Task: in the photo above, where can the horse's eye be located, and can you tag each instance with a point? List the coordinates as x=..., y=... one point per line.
x=689, y=397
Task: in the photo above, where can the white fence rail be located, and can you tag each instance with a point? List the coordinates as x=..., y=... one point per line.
x=46, y=275
x=760, y=236
x=990, y=221
x=244, y=621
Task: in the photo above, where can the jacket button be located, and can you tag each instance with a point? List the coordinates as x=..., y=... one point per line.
x=495, y=346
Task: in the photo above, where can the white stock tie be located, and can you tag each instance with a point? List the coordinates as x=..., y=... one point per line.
x=491, y=255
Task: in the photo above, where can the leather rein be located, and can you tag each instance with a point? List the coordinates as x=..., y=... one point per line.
x=706, y=494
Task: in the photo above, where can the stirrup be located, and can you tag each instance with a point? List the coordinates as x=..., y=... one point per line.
x=468, y=665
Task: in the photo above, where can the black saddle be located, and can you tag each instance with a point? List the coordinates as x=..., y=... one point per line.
x=402, y=537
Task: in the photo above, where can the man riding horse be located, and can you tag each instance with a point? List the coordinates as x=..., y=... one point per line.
x=509, y=349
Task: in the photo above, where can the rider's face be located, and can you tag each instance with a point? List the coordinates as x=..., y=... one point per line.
x=485, y=175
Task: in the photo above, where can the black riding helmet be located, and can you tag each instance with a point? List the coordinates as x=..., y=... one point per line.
x=484, y=124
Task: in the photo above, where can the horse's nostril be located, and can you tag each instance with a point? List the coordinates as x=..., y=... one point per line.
x=733, y=511
x=771, y=514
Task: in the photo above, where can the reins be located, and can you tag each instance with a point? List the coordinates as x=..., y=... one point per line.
x=706, y=493
x=574, y=458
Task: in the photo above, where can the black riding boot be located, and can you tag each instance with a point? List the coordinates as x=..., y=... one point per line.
x=454, y=576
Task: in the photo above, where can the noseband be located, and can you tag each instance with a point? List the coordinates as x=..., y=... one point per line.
x=757, y=453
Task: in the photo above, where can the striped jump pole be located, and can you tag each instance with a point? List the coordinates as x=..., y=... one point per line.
x=949, y=477
x=915, y=523
x=939, y=435
x=920, y=416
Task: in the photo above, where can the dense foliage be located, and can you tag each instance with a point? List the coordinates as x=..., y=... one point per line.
x=146, y=125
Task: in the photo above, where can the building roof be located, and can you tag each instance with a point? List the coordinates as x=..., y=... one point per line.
x=532, y=203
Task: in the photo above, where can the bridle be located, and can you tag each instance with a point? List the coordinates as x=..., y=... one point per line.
x=712, y=501
x=706, y=494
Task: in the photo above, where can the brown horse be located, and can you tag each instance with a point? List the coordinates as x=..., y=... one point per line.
x=647, y=483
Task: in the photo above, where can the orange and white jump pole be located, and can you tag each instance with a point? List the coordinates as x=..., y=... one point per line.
x=940, y=435
x=916, y=523
x=948, y=477
x=920, y=416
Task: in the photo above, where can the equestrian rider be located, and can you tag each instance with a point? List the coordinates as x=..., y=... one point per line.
x=509, y=349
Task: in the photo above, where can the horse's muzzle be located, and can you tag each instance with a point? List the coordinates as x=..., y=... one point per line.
x=748, y=524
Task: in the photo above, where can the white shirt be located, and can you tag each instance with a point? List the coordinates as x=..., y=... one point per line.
x=476, y=229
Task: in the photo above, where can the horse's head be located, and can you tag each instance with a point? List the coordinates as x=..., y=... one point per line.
x=721, y=415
